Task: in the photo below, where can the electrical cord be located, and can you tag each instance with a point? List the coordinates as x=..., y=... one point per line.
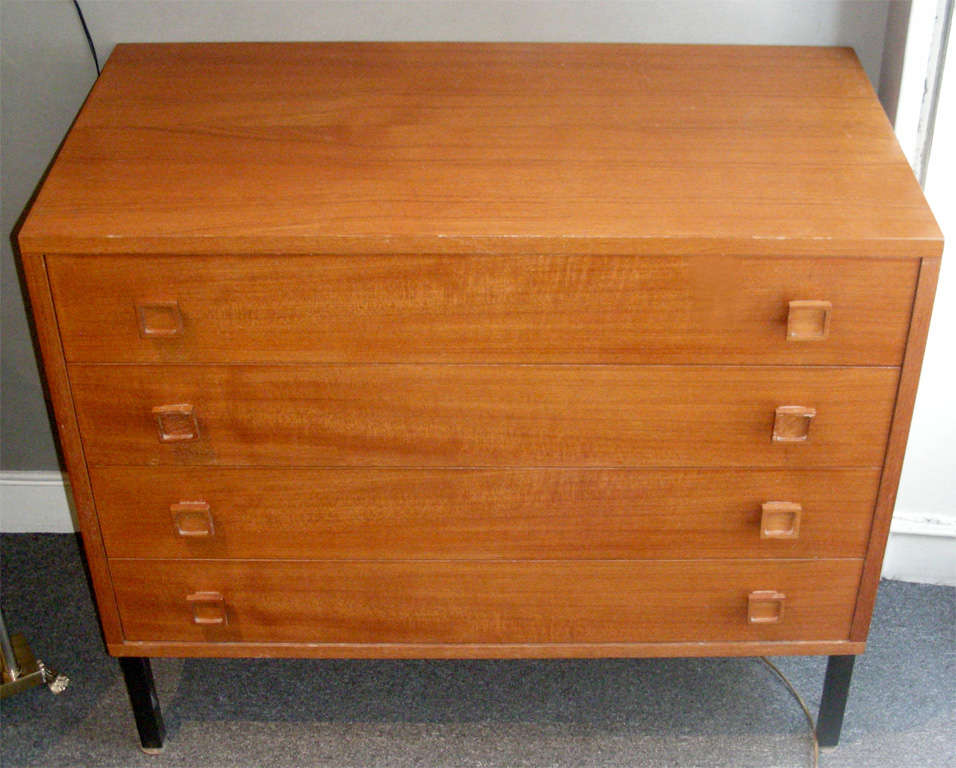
x=803, y=706
x=89, y=38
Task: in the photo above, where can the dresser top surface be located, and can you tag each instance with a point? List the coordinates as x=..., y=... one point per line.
x=450, y=147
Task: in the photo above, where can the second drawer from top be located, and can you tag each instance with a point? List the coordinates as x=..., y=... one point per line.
x=484, y=415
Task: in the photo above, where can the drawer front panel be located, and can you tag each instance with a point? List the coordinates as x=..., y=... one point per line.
x=555, y=308
x=402, y=415
x=461, y=602
x=480, y=514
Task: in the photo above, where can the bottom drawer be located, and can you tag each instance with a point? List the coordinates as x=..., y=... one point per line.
x=478, y=602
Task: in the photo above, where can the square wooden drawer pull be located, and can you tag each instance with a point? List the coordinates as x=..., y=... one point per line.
x=176, y=422
x=192, y=519
x=780, y=520
x=765, y=607
x=808, y=320
x=791, y=423
x=159, y=319
x=208, y=607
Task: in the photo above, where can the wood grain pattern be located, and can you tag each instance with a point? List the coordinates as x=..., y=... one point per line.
x=68, y=435
x=479, y=514
x=467, y=602
x=896, y=448
x=481, y=308
x=474, y=415
x=412, y=147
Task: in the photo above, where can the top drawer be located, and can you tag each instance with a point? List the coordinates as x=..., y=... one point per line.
x=479, y=308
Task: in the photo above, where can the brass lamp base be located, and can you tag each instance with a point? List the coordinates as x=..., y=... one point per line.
x=29, y=671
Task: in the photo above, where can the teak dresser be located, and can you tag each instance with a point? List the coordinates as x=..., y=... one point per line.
x=479, y=350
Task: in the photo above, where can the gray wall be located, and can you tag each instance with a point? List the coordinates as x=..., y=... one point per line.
x=44, y=80
x=47, y=71
x=894, y=46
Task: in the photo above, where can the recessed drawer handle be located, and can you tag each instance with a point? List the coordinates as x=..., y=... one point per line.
x=791, y=423
x=192, y=519
x=176, y=422
x=765, y=606
x=808, y=320
x=780, y=520
x=208, y=608
x=159, y=319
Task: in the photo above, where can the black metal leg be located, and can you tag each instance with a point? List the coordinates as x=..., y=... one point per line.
x=142, y=695
x=836, y=687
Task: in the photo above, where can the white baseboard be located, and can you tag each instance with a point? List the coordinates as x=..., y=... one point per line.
x=920, y=549
x=35, y=502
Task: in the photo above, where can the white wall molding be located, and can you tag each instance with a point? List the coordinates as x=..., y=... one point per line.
x=35, y=502
x=922, y=532
x=921, y=548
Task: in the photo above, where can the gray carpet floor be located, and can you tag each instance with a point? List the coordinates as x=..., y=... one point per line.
x=360, y=714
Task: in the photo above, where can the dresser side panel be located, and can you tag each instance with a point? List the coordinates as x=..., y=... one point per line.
x=58, y=384
x=896, y=447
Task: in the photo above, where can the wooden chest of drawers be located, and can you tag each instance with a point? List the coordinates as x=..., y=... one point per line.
x=425, y=350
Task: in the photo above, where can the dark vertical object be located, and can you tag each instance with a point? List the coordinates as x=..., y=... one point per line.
x=142, y=695
x=89, y=37
x=836, y=687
